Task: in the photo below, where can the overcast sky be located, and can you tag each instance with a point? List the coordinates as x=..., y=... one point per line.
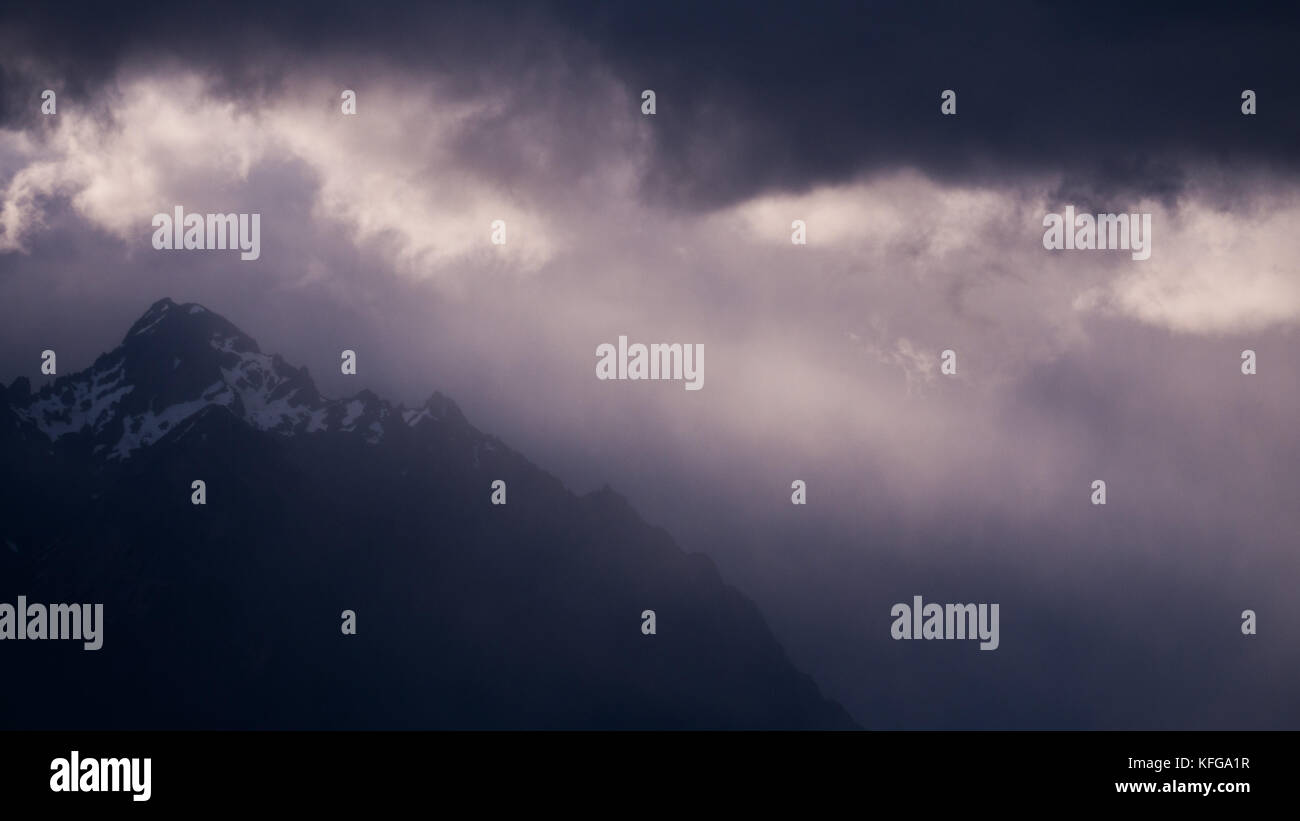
x=924, y=234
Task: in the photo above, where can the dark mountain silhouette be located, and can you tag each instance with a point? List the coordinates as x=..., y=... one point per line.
x=225, y=615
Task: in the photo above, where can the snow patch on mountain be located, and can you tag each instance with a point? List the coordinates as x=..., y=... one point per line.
x=147, y=428
x=354, y=410
x=83, y=402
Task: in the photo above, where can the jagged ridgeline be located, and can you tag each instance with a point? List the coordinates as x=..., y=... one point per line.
x=227, y=614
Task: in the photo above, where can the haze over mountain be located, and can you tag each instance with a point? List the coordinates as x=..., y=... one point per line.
x=469, y=614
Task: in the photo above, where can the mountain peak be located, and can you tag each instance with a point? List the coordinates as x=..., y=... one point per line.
x=437, y=407
x=178, y=360
x=156, y=313
x=169, y=323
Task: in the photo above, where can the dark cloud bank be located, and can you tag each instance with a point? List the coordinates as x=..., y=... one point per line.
x=761, y=96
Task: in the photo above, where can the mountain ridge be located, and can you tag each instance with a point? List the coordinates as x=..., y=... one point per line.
x=472, y=615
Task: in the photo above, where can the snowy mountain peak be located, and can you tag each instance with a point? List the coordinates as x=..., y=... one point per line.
x=165, y=321
x=178, y=360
